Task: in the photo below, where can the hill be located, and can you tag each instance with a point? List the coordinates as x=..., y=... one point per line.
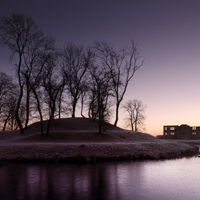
x=78, y=123
x=70, y=130
x=77, y=139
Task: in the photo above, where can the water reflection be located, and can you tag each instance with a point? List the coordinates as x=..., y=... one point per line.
x=149, y=180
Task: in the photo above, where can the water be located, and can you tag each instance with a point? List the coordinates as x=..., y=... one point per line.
x=146, y=180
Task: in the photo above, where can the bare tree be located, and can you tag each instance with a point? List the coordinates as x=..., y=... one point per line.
x=34, y=60
x=92, y=102
x=76, y=60
x=83, y=97
x=52, y=85
x=136, y=114
x=5, y=86
x=8, y=102
x=8, y=113
x=122, y=66
x=100, y=93
x=60, y=101
x=36, y=57
x=8, y=99
x=17, y=32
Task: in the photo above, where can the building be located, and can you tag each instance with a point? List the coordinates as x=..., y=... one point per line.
x=182, y=132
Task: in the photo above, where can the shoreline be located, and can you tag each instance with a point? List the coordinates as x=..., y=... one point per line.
x=77, y=140
x=94, y=152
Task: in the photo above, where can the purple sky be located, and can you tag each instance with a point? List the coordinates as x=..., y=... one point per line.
x=168, y=36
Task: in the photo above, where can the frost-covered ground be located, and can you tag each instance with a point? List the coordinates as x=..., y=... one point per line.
x=78, y=140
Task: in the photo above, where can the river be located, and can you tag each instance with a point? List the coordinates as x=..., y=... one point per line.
x=138, y=180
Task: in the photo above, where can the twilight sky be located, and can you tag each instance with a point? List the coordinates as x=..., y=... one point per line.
x=168, y=36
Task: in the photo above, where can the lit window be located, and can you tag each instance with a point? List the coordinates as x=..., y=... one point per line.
x=194, y=133
x=172, y=128
x=194, y=128
x=172, y=133
x=165, y=128
x=165, y=133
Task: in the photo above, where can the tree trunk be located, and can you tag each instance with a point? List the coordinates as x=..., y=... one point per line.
x=117, y=114
x=99, y=109
x=82, y=108
x=20, y=96
x=17, y=110
x=131, y=121
x=100, y=125
x=51, y=118
x=90, y=111
x=59, y=110
x=40, y=112
x=132, y=126
x=136, y=126
x=60, y=102
x=74, y=108
x=5, y=123
x=27, y=107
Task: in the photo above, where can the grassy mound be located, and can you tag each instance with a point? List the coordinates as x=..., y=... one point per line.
x=71, y=130
x=77, y=139
x=72, y=124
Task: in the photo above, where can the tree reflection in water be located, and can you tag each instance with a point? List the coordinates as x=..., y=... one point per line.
x=109, y=180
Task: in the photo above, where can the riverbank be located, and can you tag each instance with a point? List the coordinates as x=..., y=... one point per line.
x=68, y=143
x=83, y=152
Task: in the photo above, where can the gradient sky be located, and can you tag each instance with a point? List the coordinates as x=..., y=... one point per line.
x=168, y=36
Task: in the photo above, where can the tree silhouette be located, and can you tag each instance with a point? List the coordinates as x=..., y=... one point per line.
x=122, y=66
x=8, y=100
x=136, y=114
x=36, y=58
x=17, y=32
x=5, y=87
x=52, y=85
x=76, y=60
x=101, y=89
x=49, y=78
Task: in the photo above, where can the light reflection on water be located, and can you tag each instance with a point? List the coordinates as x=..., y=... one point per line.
x=146, y=180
